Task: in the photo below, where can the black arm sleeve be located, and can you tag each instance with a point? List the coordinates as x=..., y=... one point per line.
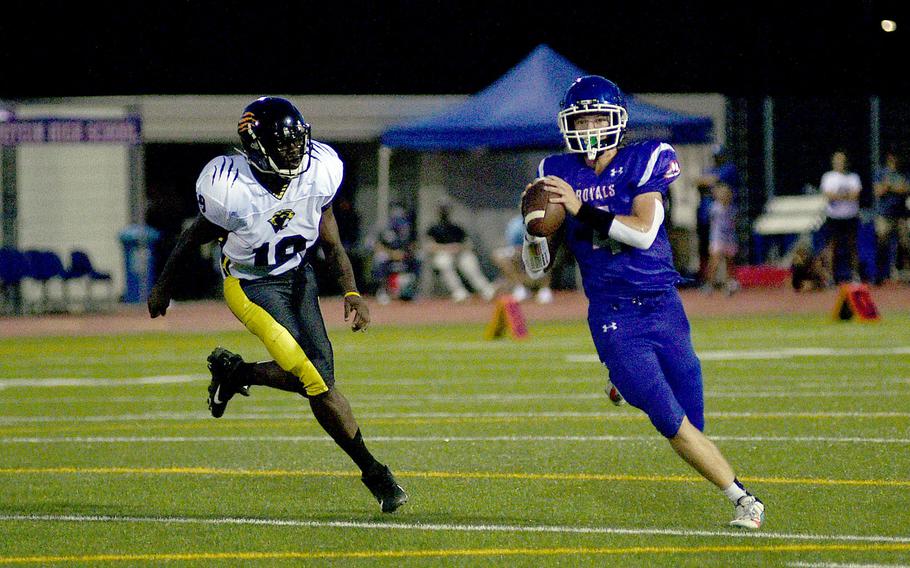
x=597, y=219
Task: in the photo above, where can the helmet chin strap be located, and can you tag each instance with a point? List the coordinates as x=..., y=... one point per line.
x=269, y=172
x=275, y=170
x=286, y=174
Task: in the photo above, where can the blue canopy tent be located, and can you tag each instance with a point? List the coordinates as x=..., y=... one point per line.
x=519, y=111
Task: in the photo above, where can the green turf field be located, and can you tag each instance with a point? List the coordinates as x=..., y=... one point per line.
x=510, y=451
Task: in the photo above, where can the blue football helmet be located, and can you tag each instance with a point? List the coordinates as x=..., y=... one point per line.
x=275, y=137
x=589, y=95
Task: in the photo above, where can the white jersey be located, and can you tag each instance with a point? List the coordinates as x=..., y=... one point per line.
x=839, y=186
x=267, y=234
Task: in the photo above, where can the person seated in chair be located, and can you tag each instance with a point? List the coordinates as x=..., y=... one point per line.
x=395, y=262
x=451, y=254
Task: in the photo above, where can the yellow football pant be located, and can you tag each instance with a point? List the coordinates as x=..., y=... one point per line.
x=277, y=339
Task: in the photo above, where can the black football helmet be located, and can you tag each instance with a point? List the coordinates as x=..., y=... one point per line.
x=275, y=137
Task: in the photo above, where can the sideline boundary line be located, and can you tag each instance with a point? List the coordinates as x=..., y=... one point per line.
x=431, y=439
x=170, y=416
x=442, y=527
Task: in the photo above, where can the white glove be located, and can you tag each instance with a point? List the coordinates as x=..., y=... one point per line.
x=535, y=254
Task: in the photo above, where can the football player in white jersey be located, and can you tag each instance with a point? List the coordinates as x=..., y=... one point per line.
x=268, y=206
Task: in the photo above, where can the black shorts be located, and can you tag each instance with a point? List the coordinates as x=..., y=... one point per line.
x=283, y=311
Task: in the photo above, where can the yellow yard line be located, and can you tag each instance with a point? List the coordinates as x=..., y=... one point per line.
x=439, y=475
x=461, y=552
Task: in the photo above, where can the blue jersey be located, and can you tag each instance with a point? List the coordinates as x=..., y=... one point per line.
x=609, y=268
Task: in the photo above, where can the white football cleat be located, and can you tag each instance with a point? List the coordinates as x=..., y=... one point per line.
x=749, y=513
x=544, y=296
x=459, y=296
x=613, y=394
x=520, y=293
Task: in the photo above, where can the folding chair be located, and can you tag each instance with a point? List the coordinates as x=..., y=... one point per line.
x=45, y=268
x=81, y=269
x=13, y=268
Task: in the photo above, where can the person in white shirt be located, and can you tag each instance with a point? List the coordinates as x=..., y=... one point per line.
x=267, y=206
x=841, y=187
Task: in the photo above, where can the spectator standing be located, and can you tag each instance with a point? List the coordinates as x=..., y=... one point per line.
x=722, y=241
x=892, y=217
x=451, y=253
x=724, y=171
x=841, y=187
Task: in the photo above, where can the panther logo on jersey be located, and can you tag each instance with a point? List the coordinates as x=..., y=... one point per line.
x=281, y=219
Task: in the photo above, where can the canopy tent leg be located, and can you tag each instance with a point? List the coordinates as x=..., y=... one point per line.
x=768, y=146
x=382, y=186
x=874, y=133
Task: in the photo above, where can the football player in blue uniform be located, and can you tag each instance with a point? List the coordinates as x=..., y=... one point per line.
x=268, y=206
x=613, y=195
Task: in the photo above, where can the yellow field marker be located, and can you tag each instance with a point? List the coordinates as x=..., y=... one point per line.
x=438, y=475
x=462, y=552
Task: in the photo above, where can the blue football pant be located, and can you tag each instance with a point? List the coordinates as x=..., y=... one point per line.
x=646, y=345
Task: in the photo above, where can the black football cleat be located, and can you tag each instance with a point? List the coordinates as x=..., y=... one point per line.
x=224, y=366
x=384, y=488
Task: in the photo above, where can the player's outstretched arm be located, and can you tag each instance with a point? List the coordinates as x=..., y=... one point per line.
x=337, y=259
x=200, y=232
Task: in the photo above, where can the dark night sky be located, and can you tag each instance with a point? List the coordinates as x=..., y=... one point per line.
x=747, y=48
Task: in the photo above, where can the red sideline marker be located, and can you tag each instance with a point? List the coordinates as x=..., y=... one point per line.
x=507, y=317
x=855, y=300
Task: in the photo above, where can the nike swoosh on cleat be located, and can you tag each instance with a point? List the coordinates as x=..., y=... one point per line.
x=215, y=398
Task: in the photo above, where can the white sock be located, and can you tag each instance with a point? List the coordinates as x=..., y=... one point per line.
x=734, y=493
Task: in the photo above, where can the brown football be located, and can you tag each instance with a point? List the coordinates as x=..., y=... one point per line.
x=542, y=218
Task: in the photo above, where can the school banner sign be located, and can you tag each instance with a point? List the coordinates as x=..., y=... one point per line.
x=71, y=131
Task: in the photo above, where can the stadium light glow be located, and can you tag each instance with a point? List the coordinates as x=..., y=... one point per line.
x=889, y=25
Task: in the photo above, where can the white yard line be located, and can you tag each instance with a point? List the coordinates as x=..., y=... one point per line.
x=743, y=355
x=434, y=439
x=99, y=382
x=268, y=415
x=843, y=565
x=266, y=397
x=430, y=380
x=440, y=527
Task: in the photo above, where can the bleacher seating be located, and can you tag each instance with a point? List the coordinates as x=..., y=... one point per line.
x=791, y=215
x=785, y=220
